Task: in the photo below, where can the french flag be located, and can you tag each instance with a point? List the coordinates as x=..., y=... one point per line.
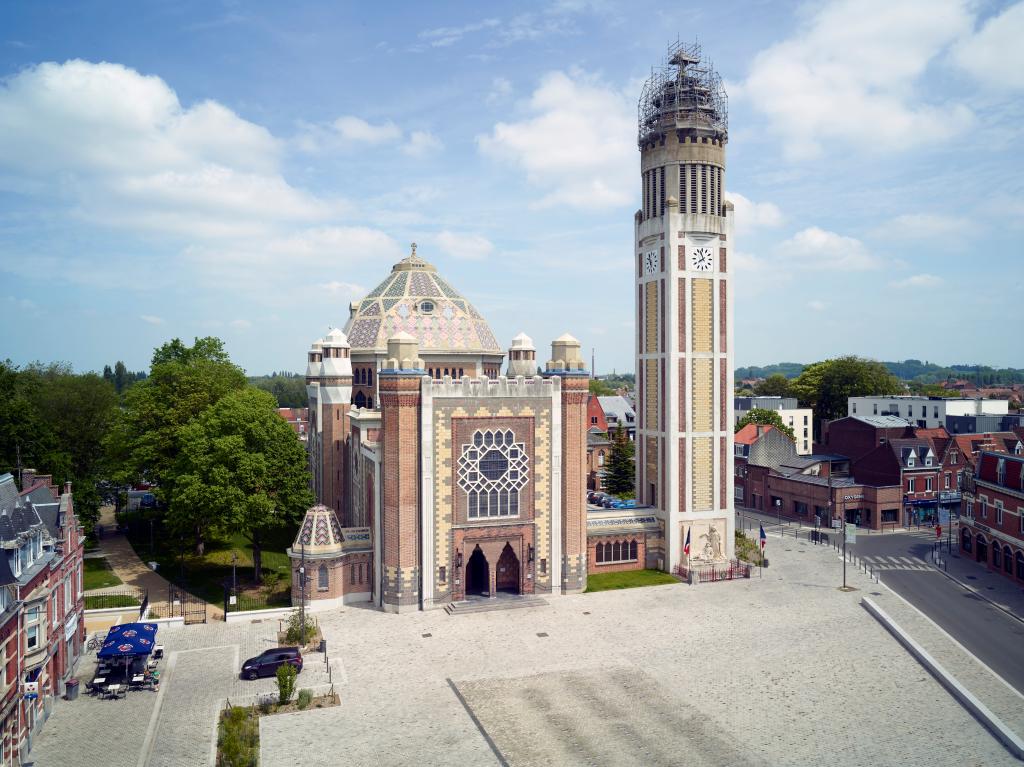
x=764, y=538
x=686, y=546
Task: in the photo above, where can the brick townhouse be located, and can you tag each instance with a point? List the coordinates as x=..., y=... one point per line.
x=992, y=529
x=41, y=605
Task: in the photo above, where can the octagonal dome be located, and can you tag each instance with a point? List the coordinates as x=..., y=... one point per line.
x=415, y=299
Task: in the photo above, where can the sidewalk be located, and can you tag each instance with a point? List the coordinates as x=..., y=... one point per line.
x=993, y=587
x=134, y=572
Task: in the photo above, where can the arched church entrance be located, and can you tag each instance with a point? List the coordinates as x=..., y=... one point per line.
x=507, y=577
x=478, y=573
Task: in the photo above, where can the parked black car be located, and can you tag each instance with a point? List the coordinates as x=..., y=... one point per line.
x=269, y=661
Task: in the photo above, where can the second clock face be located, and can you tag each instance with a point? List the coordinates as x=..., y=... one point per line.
x=651, y=262
x=702, y=259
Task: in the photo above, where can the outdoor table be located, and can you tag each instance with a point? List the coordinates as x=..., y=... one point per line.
x=138, y=680
x=99, y=681
x=114, y=691
x=158, y=651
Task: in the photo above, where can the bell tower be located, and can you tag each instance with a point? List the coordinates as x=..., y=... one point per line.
x=683, y=238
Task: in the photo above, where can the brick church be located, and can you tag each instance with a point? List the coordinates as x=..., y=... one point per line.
x=445, y=471
x=442, y=472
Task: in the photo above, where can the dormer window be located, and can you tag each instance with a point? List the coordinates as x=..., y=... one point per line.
x=426, y=307
x=911, y=462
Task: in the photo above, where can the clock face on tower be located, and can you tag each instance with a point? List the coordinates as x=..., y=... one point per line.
x=702, y=259
x=651, y=262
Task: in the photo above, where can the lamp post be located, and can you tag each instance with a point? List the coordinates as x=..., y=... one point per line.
x=234, y=571
x=302, y=602
x=778, y=509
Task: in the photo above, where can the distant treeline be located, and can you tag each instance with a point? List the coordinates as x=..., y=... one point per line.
x=288, y=388
x=907, y=370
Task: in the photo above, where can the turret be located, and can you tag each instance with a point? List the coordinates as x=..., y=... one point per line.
x=565, y=356
x=335, y=369
x=522, y=357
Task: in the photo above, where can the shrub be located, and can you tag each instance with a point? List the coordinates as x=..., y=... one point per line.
x=305, y=698
x=238, y=739
x=285, y=683
x=266, y=705
x=294, y=632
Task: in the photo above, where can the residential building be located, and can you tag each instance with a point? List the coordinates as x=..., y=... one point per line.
x=618, y=413
x=297, y=418
x=598, y=449
x=595, y=415
x=800, y=420
x=930, y=412
x=992, y=530
x=42, y=630
x=980, y=424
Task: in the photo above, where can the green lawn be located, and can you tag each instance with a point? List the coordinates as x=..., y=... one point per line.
x=97, y=574
x=628, y=579
x=107, y=601
x=205, y=576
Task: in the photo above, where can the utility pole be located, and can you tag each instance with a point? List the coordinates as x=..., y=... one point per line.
x=843, y=523
x=17, y=449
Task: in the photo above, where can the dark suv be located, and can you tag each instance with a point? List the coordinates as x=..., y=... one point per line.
x=269, y=661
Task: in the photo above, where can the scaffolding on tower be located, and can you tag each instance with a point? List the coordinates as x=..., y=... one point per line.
x=684, y=92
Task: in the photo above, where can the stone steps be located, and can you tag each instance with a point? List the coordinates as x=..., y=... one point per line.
x=487, y=605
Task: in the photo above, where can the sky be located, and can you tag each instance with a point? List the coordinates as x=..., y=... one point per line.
x=185, y=168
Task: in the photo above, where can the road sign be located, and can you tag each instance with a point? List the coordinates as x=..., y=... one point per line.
x=851, y=532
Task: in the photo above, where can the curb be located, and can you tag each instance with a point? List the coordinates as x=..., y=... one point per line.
x=977, y=593
x=994, y=724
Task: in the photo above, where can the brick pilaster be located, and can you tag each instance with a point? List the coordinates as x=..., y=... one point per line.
x=574, y=481
x=400, y=434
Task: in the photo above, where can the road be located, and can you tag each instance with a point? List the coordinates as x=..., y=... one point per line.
x=901, y=560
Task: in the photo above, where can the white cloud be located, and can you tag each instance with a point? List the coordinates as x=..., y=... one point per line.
x=850, y=75
x=240, y=324
x=994, y=54
x=922, y=226
x=335, y=287
x=577, y=143
x=752, y=215
x=816, y=305
x=151, y=319
x=442, y=37
x=421, y=144
x=356, y=130
x=818, y=249
x=120, y=150
x=499, y=92
x=467, y=247
x=918, y=281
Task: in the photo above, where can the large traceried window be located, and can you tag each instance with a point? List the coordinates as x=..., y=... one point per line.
x=493, y=469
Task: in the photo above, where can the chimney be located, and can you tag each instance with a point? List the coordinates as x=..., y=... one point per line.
x=28, y=478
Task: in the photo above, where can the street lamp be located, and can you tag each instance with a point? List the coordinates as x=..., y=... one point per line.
x=234, y=571
x=778, y=509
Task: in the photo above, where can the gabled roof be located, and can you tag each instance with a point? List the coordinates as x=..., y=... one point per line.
x=618, y=407
x=882, y=421
x=750, y=433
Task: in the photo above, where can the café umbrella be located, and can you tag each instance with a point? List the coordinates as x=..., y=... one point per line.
x=129, y=641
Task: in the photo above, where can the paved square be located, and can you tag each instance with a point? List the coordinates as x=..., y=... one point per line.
x=785, y=670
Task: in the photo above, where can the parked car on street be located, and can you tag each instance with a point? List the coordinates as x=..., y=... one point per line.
x=269, y=661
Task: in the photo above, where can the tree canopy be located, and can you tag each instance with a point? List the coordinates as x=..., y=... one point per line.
x=183, y=381
x=775, y=385
x=240, y=468
x=767, y=418
x=827, y=385
x=600, y=389
x=57, y=419
x=289, y=389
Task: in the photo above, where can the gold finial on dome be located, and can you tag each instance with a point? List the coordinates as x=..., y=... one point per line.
x=413, y=254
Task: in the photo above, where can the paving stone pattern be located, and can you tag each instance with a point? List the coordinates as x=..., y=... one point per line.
x=782, y=670
x=177, y=725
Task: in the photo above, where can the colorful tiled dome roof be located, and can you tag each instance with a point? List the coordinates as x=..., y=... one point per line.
x=320, y=532
x=416, y=300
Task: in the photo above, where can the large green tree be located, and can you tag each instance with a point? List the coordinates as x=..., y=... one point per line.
x=767, y=418
x=240, y=468
x=183, y=382
x=619, y=469
x=775, y=385
x=827, y=385
x=54, y=421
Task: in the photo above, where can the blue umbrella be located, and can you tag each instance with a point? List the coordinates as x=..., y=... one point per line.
x=129, y=641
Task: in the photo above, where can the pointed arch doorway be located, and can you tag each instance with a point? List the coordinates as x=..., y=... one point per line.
x=507, y=576
x=478, y=574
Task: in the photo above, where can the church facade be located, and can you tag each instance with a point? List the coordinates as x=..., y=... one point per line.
x=440, y=476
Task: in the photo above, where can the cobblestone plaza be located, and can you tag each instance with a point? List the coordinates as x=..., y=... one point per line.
x=781, y=670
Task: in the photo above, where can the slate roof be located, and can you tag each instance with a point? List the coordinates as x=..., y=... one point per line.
x=882, y=421
x=617, y=407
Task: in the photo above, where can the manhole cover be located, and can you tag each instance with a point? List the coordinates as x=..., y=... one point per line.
x=426, y=636
x=542, y=633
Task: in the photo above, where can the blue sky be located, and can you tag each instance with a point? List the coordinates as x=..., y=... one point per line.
x=248, y=169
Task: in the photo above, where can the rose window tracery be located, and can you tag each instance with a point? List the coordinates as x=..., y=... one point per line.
x=493, y=468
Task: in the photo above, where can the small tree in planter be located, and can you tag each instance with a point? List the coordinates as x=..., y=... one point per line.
x=293, y=631
x=285, y=683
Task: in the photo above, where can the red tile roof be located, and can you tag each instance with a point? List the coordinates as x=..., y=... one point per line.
x=749, y=434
